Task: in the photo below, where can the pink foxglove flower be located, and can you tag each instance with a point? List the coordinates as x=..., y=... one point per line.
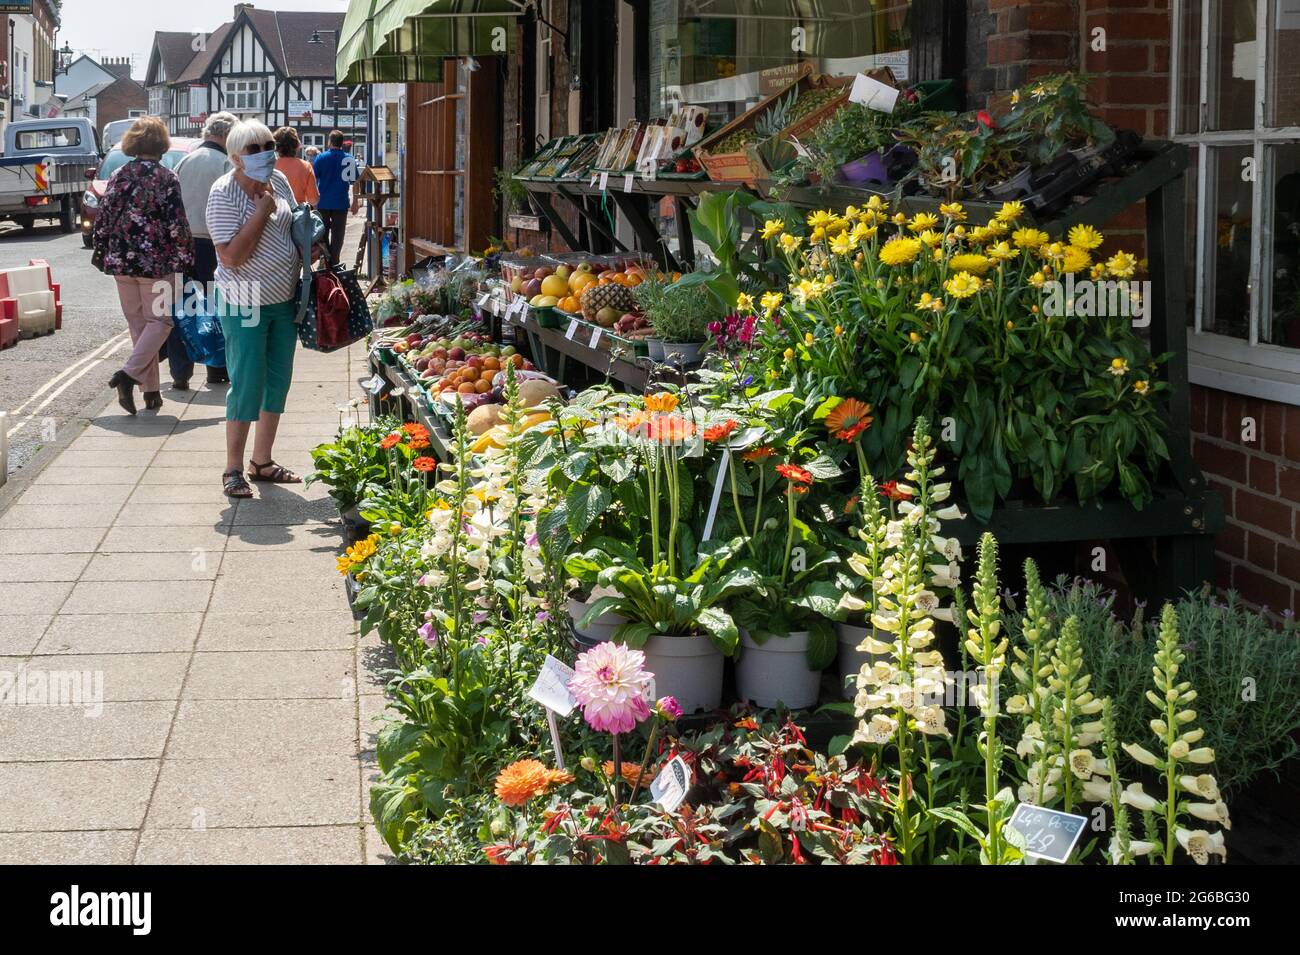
x=610, y=684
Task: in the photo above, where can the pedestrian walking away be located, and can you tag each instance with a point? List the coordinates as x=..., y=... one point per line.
x=301, y=176
x=197, y=172
x=142, y=239
x=250, y=218
x=336, y=171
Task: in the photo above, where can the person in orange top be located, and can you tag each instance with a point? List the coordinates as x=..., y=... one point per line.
x=300, y=175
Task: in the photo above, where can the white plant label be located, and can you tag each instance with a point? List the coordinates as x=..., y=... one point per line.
x=723, y=464
x=628, y=180
x=376, y=384
x=669, y=787
x=572, y=329
x=604, y=181
x=551, y=688
x=483, y=299
x=873, y=94
x=595, y=337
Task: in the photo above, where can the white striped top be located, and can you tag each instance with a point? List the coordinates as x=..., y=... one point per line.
x=271, y=273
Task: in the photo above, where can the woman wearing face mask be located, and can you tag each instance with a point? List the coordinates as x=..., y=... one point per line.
x=249, y=214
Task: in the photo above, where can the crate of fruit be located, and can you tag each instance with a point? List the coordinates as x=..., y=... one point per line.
x=733, y=153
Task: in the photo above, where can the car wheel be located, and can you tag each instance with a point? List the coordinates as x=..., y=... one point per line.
x=26, y=223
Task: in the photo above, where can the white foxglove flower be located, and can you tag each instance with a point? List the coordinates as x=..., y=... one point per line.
x=852, y=604
x=880, y=729
x=1210, y=812
x=1136, y=847
x=1198, y=844
x=1096, y=790
x=940, y=493
x=1204, y=785
x=1083, y=764
x=929, y=720
x=950, y=513
x=1133, y=795
x=1179, y=749
x=1143, y=756
x=1202, y=755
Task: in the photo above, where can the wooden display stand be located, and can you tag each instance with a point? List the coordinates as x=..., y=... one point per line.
x=384, y=187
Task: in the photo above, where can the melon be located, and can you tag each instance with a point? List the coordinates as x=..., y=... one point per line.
x=484, y=417
x=533, y=394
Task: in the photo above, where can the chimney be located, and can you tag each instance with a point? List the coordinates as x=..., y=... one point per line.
x=241, y=6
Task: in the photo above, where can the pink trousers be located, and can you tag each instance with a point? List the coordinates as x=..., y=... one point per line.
x=149, y=331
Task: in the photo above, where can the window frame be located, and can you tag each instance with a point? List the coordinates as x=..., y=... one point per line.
x=248, y=85
x=1252, y=365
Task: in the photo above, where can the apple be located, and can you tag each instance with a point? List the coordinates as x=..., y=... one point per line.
x=541, y=273
x=531, y=289
x=456, y=354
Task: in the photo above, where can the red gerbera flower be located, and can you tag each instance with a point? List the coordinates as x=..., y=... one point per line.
x=415, y=429
x=719, y=432
x=891, y=490
x=391, y=441
x=794, y=473
x=757, y=454
x=419, y=444
x=425, y=464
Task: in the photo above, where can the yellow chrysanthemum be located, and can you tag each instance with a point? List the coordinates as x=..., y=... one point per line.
x=1141, y=387
x=1037, y=279
x=844, y=243
x=900, y=251
x=771, y=301
x=790, y=243
x=1121, y=265
x=953, y=211
x=1075, y=260
x=862, y=232
x=821, y=219
x=1029, y=238
x=1118, y=367
x=962, y=285
x=930, y=238
x=970, y=262
x=1011, y=211
x=923, y=221
x=1002, y=251
x=744, y=303
x=772, y=228
x=1085, y=237
x=929, y=302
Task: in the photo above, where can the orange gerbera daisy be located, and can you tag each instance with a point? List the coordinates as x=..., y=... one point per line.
x=632, y=422
x=391, y=441
x=415, y=429
x=719, y=432
x=419, y=444
x=664, y=402
x=794, y=474
x=424, y=464
x=849, y=419
x=759, y=453
x=670, y=429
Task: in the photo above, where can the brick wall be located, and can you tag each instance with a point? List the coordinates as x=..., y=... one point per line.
x=117, y=101
x=1250, y=451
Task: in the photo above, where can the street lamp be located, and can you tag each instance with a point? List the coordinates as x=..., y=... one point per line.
x=63, y=58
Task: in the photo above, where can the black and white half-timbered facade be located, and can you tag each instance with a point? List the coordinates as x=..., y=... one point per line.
x=275, y=66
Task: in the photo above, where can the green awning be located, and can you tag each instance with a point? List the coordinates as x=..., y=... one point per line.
x=400, y=41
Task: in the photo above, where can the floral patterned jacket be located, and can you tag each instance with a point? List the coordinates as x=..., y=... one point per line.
x=141, y=229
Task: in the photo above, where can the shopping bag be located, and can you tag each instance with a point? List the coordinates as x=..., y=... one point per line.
x=327, y=326
x=197, y=318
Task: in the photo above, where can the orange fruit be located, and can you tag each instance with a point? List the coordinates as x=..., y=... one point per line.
x=633, y=279
x=492, y=362
x=482, y=386
x=466, y=388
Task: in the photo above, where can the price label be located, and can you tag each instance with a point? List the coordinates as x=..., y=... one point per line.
x=670, y=786
x=572, y=329
x=1045, y=833
x=483, y=299
x=604, y=181
x=595, y=337
x=376, y=384
x=551, y=688
x=628, y=181
x=873, y=94
x=594, y=177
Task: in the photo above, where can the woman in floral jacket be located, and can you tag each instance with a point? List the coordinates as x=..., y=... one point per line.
x=142, y=238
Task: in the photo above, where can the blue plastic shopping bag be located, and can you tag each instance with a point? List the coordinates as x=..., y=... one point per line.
x=200, y=327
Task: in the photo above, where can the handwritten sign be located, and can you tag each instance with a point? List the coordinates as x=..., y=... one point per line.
x=551, y=688
x=873, y=94
x=669, y=787
x=1045, y=833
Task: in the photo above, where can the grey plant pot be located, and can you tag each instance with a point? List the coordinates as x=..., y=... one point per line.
x=600, y=629
x=851, y=659
x=776, y=672
x=654, y=349
x=689, y=669
x=684, y=353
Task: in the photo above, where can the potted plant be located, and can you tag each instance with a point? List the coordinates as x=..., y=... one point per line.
x=680, y=316
x=1053, y=113
x=967, y=155
x=786, y=634
x=856, y=145
x=349, y=465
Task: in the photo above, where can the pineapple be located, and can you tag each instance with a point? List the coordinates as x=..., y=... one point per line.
x=595, y=297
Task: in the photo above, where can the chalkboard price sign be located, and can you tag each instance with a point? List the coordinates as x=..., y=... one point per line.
x=1045, y=833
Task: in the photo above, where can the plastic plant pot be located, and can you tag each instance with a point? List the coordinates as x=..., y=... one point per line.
x=776, y=671
x=686, y=668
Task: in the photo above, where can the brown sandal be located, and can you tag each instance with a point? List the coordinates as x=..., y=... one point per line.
x=272, y=473
x=234, y=485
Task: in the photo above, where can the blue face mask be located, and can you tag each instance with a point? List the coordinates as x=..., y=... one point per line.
x=259, y=166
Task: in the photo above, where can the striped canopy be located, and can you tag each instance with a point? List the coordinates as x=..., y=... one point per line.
x=401, y=41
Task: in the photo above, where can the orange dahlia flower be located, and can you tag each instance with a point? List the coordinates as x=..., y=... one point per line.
x=631, y=773
x=521, y=781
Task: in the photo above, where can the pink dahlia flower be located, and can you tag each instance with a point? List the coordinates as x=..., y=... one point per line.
x=610, y=684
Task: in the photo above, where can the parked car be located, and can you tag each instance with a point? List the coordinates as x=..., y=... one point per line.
x=45, y=163
x=114, y=161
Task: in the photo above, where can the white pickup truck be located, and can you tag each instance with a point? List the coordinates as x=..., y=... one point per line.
x=44, y=169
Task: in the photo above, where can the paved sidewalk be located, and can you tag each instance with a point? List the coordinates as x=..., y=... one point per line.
x=238, y=701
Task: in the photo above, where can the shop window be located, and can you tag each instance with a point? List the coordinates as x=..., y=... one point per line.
x=713, y=52
x=1237, y=103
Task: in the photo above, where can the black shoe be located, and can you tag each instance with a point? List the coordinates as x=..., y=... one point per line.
x=220, y=377
x=153, y=400
x=125, y=386
x=181, y=385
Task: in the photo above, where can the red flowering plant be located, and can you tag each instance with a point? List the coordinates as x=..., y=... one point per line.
x=759, y=795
